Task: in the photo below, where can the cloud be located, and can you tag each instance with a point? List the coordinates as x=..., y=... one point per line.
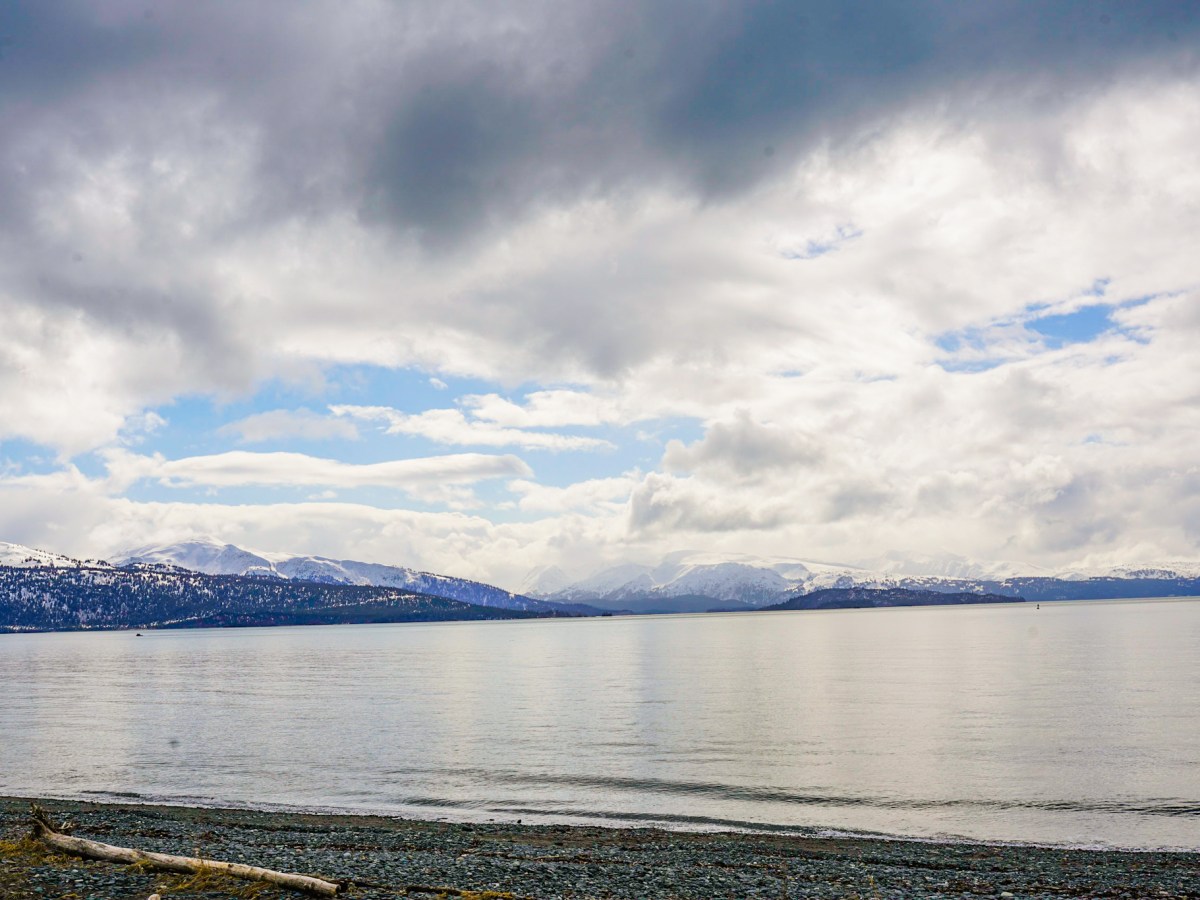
x=240, y=468
x=65, y=386
x=285, y=423
x=597, y=495
x=452, y=426
x=680, y=506
x=745, y=448
x=767, y=222
x=548, y=409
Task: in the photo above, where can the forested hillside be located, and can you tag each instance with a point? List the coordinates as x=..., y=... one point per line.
x=103, y=597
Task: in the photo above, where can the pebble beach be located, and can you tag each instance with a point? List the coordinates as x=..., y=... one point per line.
x=384, y=857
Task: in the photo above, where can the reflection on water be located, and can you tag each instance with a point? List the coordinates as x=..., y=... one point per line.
x=1075, y=723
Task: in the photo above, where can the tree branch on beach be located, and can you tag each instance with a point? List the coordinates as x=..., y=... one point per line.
x=48, y=834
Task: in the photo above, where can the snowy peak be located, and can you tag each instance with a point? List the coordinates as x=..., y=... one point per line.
x=205, y=555
x=740, y=580
x=628, y=576
x=544, y=580
x=733, y=581
x=20, y=556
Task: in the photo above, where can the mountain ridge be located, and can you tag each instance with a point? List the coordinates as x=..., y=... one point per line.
x=695, y=583
x=214, y=557
x=103, y=597
x=20, y=556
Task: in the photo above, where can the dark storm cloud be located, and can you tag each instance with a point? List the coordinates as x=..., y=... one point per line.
x=713, y=96
x=761, y=79
x=50, y=49
x=448, y=119
x=454, y=155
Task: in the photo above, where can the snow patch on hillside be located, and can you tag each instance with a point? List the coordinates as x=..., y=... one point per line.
x=20, y=556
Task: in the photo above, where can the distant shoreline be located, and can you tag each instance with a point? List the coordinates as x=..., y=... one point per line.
x=1003, y=601
x=560, y=861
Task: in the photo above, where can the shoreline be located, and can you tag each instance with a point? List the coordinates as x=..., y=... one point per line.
x=525, y=616
x=569, y=861
x=685, y=826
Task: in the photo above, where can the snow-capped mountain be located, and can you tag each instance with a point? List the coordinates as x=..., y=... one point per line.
x=215, y=557
x=544, y=580
x=693, y=582
x=207, y=555
x=681, y=582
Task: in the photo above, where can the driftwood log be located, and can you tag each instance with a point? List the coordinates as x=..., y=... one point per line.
x=44, y=831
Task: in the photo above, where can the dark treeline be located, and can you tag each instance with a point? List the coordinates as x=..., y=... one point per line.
x=103, y=597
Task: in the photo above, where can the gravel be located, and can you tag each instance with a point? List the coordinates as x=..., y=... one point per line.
x=387, y=857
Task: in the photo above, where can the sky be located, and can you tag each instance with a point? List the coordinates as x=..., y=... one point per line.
x=481, y=288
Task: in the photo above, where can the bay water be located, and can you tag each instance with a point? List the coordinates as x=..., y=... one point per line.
x=1073, y=723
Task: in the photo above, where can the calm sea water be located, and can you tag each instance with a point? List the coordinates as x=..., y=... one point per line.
x=1077, y=723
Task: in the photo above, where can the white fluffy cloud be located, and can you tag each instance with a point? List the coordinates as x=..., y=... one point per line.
x=240, y=468
x=548, y=409
x=597, y=495
x=452, y=426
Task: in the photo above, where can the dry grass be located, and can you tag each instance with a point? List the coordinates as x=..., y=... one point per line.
x=214, y=883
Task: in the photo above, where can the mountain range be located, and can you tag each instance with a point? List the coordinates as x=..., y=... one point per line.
x=273, y=588
x=208, y=583
x=698, y=582
x=214, y=557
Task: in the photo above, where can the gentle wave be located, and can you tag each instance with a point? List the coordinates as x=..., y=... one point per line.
x=1152, y=807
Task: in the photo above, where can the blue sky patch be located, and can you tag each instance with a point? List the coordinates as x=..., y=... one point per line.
x=814, y=247
x=19, y=456
x=1081, y=326
x=971, y=365
x=974, y=348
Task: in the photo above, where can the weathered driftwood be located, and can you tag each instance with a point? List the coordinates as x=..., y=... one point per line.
x=45, y=832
